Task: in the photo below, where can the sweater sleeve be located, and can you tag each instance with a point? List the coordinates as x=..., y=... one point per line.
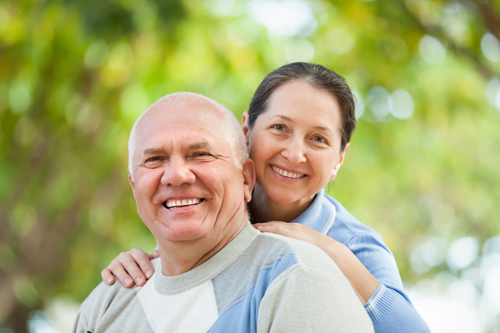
x=80, y=325
x=389, y=307
x=390, y=312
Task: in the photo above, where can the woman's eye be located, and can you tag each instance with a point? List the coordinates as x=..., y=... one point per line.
x=279, y=127
x=319, y=139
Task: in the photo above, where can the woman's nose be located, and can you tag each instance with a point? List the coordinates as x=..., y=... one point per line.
x=294, y=152
x=177, y=172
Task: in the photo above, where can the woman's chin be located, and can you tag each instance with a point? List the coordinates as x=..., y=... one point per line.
x=283, y=197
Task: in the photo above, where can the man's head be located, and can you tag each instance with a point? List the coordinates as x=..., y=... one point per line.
x=188, y=170
x=230, y=127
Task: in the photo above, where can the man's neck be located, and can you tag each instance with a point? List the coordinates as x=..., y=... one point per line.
x=264, y=209
x=180, y=257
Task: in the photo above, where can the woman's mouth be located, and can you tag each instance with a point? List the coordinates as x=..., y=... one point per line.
x=287, y=174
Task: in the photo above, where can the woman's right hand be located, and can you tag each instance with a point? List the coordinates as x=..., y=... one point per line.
x=129, y=267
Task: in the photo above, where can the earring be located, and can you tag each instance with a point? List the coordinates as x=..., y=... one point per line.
x=334, y=176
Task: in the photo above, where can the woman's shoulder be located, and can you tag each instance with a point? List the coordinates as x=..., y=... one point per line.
x=347, y=228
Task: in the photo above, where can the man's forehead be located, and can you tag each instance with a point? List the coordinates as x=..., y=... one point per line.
x=166, y=113
x=190, y=134
x=191, y=126
x=193, y=144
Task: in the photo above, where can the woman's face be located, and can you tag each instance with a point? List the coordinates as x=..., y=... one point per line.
x=295, y=143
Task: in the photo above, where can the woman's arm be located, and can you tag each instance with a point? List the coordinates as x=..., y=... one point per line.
x=384, y=301
x=130, y=267
x=361, y=280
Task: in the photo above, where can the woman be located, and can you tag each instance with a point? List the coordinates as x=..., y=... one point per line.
x=298, y=129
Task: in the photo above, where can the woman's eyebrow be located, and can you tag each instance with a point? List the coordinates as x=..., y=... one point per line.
x=322, y=128
x=317, y=127
x=285, y=118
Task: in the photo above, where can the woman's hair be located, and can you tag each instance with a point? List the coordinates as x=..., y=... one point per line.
x=317, y=76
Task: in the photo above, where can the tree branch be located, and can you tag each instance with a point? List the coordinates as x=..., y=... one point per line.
x=437, y=31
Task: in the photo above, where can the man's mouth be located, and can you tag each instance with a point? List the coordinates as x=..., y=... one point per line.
x=287, y=174
x=174, y=203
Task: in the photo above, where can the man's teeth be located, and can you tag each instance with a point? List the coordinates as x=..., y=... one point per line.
x=287, y=174
x=181, y=203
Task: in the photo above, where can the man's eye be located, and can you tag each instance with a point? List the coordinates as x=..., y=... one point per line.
x=279, y=127
x=153, y=159
x=201, y=154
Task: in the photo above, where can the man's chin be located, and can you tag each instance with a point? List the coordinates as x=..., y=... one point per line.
x=182, y=232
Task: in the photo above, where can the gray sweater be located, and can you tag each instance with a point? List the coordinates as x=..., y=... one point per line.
x=257, y=283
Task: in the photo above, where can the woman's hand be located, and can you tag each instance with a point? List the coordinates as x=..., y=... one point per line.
x=130, y=266
x=361, y=280
x=297, y=231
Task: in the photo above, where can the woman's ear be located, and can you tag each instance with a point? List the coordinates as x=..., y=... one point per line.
x=244, y=122
x=339, y=163
x=244, y=125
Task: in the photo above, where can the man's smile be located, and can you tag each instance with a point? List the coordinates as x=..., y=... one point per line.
x=174, y=203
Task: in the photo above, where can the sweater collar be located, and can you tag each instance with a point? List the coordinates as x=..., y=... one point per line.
x=320, y=215
x=170, y=285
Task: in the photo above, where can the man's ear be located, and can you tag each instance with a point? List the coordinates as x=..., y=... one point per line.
x=339, y=163
x=131, y=181
x=248, y=170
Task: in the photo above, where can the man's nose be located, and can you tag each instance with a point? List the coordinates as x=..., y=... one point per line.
x=294, y=151
x=177, y=172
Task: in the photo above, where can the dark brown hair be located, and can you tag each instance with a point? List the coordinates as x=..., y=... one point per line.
x=319, y=77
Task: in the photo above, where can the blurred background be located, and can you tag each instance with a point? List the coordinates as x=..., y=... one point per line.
x=423, y=168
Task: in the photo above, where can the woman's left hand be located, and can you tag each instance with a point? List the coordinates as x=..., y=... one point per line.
x=297, y=231
x=361, y=280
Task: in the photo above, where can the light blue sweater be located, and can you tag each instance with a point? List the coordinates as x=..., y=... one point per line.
x=389, y=308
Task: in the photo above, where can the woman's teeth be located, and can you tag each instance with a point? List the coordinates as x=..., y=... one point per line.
x=181, y=203
x=287, y=174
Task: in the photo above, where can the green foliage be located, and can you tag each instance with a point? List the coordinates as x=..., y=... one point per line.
x=76, y=74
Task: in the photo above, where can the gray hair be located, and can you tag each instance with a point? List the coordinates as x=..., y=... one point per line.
x=230, y=127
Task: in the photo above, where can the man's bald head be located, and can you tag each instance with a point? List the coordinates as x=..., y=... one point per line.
x=229, y=127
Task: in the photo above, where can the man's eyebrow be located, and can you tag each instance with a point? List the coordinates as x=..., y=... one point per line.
x=152, y=151
x=200, y=145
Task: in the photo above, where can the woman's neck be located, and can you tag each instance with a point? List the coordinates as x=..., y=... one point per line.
x=264, y=209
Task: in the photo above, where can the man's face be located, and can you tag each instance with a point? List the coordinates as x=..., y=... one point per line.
x=185, y=181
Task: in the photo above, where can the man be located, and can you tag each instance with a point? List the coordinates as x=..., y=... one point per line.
x=191, y=180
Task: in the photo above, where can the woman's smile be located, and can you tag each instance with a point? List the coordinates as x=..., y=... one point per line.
x=287, y=173
x=295, y=143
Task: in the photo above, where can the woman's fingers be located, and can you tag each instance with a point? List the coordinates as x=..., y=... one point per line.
x=293, y=230
x=143, y=261
x=128, y=262
x=154, y=254
x=107, y=276
x=116, y=268
x=128, y=267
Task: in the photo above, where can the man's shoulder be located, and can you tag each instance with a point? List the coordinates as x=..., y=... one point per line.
x=270, y=245
x=104, y=297
x=271, y=255
x=106, y=294
x=273, y=278
x=106, y=304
